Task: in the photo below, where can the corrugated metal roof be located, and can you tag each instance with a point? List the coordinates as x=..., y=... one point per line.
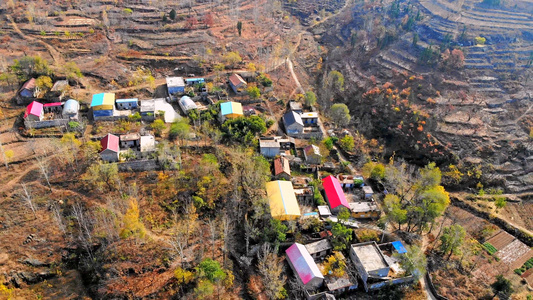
x=110, y=142
x=52, y=104
x=334, y=193
x=229, y=108
x=29, y=85
x=398, y=246
x=303, y=263
x=35, y=108
x=103, y=99
x=281, y=165
x=127, y=100
x=291, y=118
x=282, y=200
x=236, y=79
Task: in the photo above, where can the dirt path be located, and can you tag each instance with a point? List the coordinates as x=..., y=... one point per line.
x=346, y=4
x=56, y=55
x=294, y=77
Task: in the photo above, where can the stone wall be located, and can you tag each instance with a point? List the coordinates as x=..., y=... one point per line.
x=45, y=124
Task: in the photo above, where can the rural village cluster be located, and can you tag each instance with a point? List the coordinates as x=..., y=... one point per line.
x=377, y=265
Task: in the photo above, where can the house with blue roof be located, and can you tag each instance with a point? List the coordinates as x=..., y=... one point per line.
x=230, y=110
x=294, y=125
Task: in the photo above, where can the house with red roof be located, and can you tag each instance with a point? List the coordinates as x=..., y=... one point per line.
x=27, y=89
x=282, y=168
x=110, y=148
x=34, y=112
x=304, y=267
x=334, y=194
x=238, y=85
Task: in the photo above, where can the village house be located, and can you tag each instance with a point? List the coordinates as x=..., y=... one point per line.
x=309, y=118
x=305, y=194
x=103, y=105
x=293, y=123
x=53, y=108
x=282, y=170
x=269, y=147
x=349, y=182
x=147, y=144
x=34, y=112
x=319, y=249
x=130, y=141
x=186, y=104
x=334, y=194
x=127, y=104
x=306, y=270
x=312, y=155
x=324, y=211
x=230, y=110
x=369, y=261
x=365, y=209
x=110, y=148
x=175, y=85
x=238, y=85
x=282, y=200
x=150, y=108
x=28, y=89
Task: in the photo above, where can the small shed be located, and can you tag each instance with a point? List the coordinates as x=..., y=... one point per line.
x=312, y=155
x=193, y=81
x=71, y=109
x=294, y=125
x=304, y=267
x=186, y=104
x=27, y=89
x=127, y=104
x=282, y=170
x=269, y=147
x=295, y=106
x=56, y=107
x=319, y=249
x=34, y=111
x=175, y=85
x=147, y=143
x=324, y=211
x=398, y=247
x=238, y=85
x=368, y=191
x=230, y=110
x=110, y=148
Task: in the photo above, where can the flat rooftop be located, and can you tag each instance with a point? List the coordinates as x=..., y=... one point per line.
x=370, y=256
x=363, y=206
x=318, y=246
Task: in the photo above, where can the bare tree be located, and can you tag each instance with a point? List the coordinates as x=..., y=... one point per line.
x=270, y=268
x=84, y=222
x=56, y=212
x=45, y=170
x=227, y=227
x=213, y=234
x=28, y=198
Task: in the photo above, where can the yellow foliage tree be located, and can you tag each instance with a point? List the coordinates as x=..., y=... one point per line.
x=132, y=224
x=334, y=265
x=183, y=276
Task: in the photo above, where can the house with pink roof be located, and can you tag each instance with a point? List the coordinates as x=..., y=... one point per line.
x=110, y=148
x=334, y=194
x=34, y=112
x=304, y=267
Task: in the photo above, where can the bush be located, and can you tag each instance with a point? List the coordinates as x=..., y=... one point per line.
x=489, y=248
